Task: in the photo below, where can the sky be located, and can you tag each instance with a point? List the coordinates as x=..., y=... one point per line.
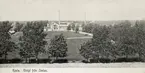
x=21, y=10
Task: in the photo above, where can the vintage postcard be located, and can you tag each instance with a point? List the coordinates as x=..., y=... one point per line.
x=39, y=36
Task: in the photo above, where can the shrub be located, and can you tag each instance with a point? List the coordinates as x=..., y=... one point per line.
x=15, y=60
x=44, y=60
x=60, y=61
x=33, y=61
x=128, y=60
x=84, y=61
x=2, y=61
x=101, y=60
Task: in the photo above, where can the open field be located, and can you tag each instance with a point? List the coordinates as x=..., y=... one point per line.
x=67, y=34
x=73, y=43
x=79, y=65
x=51, y=34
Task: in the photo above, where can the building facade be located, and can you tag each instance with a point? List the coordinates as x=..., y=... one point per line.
x=54, y=26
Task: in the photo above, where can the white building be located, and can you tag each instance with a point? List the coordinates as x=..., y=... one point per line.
x=56, y=26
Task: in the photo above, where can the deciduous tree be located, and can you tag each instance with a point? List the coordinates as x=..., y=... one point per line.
x=18, y=27
x=58, y=47
x=32, y=41
x=6, y=45
x=69, y=27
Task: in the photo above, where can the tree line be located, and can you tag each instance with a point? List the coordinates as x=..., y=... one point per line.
x=115, y=43
x=120, y=42
x=31, y=43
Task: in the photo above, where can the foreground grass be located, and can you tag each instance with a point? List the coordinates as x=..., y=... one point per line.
x=79, y=65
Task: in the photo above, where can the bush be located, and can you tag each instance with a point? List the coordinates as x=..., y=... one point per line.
x=44, y=60
x=94, y=61
x=15, y=60
x=2, y=61
x=60, y=61
x=123, y=59
x=100, y=60
x=104, y=60
x=84, y=61
x=32, y=61
x=128, y=60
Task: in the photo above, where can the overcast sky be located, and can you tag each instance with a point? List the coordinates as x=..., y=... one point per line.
x=72, y=9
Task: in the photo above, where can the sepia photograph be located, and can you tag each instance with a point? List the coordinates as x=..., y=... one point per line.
x=72, y=33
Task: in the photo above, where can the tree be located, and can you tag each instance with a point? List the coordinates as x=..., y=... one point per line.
x=6, y=45
x=123, y=35
x=88, y=28
x=58, y=47
x=119, y=30
x=100, y=46
x=77, y=29
x=86, y=50
x=18, y=27
x=102, y=42
x=69, y=27
x=26, y=51
x=129, y=39
x=73, y=26
x=128, y=42
x=83, y=25
x=139, y=38
x=32, y=41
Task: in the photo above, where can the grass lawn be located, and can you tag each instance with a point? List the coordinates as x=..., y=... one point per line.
x=50, y=35
x=67, y=34
x=73, y=44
